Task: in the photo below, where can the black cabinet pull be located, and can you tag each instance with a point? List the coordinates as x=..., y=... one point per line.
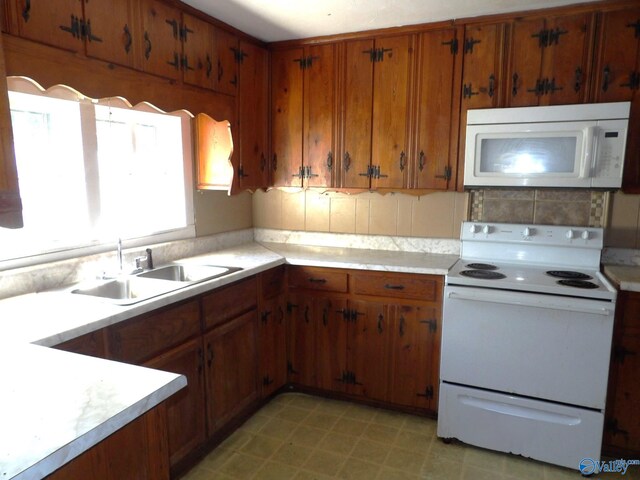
x=200, y=360
x=210, y=355
x=306, y=314
x=263, y=162
x=147, y=45
x=265, y=316
x=330, y=160
x=514, y=86
x=317, y=280
x=421, y=160
x=380, y=320
x=492, y=85
x=26, y=11
x=389, y=286
x=128, y=40
x=220, y=71
x=274, y=162
x=605, y=78
x=209, y=66
x=403, y=161
x=347, y=161
x=577, y=80
x=325, y=317
x=234, y=80
x=401, y=326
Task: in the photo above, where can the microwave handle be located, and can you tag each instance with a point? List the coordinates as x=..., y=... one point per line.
x=590, y=149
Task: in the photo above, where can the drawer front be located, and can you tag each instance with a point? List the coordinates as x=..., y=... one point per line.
x=141, y=338
x=317, y=279
x=416, y=287
x=226, y=303
x=272, y=282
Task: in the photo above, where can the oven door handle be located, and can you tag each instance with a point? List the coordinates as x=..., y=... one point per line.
x=487, y=297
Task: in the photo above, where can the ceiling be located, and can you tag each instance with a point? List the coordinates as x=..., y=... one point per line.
x=274, y=20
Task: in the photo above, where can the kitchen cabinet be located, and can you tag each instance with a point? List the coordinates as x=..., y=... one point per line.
x=10, y=203
x=622, y=421
x=186, y=409
x=272, y=331
x=252, y=170
x=438, y=105
x=231, y=356
x=304, y=116
x=138, y=450
x=229, y=302
x=329, y=315
x=376, y=109
x=111, y=30
x=550, y=60
x=301, y=348
x=617, y=79
x=228, y=57
x=198, y=51
x=482, y=77
x=159, y=36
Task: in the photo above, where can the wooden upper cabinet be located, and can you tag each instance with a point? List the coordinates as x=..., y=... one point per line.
x=286, y=117
x=617, y=79
x=198, y=52
x=482, y=72
x=357, y=106
x=393, y=59
x=228, y=56
x=550, y=60
x=438, y=102
x=112, y=31
x=10, y=203
x=319, y=123
x=160, y=39
x=253, y=108
x=54, y=23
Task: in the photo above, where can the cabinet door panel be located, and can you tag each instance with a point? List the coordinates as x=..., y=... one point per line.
x=226, y=75
x=527, y=44
x=301, y=329
x=331, y=342
x=232, y=369
x=160, y=39
x=369, y=349
x=198, y=55
x=286, y=118
x=358, y=102
x=272, y=346
x=54, y=23
x=185, y=409
x=253, y=101
x=112, y=30
x=226, y=303
x=389, y=133
x=435, y=128
x=319, y=114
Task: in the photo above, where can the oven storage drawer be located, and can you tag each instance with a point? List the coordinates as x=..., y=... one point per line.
x=545, y=431
x=543, y=346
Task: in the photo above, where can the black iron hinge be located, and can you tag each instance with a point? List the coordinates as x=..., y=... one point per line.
x=266, y=380
x=620, y=353
x=290, y=369
x=635, y=26
x=433, y=324
x=467, y=91
x=468, y=45
x=634, y=81
x=377, y=54
x=447, y=173
x=290, y=307
x=428, y=392
x=554, y=36
x=305, y=62
x=543, y=38
x=611, y=425
x=453, y=46
x=238, y=55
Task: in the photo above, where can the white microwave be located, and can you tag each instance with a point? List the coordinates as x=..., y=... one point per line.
x=573, y=146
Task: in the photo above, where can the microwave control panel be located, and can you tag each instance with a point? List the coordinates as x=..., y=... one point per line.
x=611, y=140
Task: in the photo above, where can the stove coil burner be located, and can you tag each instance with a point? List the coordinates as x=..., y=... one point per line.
x=481, y=266
x=578, y=283
x=482, y=274
x=568, y=274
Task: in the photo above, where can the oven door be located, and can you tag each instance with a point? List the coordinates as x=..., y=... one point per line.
x=548, y=347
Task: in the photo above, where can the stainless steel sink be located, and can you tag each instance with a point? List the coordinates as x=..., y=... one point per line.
x=129, y=290
x=188, y=273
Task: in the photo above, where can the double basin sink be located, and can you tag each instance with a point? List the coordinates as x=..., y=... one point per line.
x=130, y=289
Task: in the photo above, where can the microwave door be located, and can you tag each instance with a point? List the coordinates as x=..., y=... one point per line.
x=555, y=154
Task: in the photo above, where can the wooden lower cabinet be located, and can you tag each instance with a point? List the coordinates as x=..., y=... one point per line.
x=185, y=409
x=272, y=345
x=301, y=348
x=137, y=451
x=231, y=359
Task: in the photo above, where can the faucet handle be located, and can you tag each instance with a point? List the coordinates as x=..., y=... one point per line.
x=149, y=259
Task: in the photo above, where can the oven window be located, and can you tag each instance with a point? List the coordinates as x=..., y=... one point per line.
x=528, y=155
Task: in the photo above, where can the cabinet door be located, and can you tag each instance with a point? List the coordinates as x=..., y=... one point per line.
x=253, y=101
x=301, y=333
x=331, y=319
x=197, y=59
x=112, y=31
x=185, y=409
x=390, y=123
x=357, y=107
x=438, y=97
x=286, y=117
x=369, y=349
x=272, y=346
x=54, y=23
x=231, y=369
x=226, y=79
x=483, y=59
x=618, y=80
x=160, y=32
x=319, y=114
x=528, y=40
x=414, y=357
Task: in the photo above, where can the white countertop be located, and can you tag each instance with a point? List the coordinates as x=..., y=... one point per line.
x=87, y=399
x=627, y=277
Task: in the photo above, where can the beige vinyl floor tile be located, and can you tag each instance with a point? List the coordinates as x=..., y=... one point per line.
x=302, y=437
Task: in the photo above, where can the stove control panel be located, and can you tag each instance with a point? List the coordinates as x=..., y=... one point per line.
x=533, y=234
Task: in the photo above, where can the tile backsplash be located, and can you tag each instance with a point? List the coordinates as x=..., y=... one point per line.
x=541, y=207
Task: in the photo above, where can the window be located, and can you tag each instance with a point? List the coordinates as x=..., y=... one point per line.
x=91, y=171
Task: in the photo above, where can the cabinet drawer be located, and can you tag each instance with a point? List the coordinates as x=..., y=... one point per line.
x=317, y=279
x=141, y=338
x=416, y=287
x=272, y=282
x=226, y=303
